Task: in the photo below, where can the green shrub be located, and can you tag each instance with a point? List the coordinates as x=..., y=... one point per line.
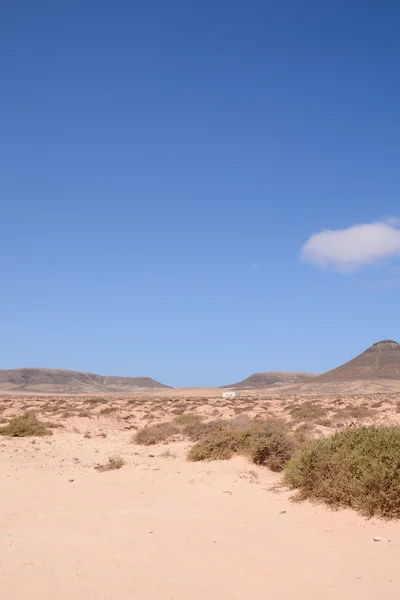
x=264, y=442
x=156, y=434
x=26, y=425
x=356, y=468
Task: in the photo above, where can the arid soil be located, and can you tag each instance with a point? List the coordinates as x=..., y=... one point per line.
x=162, y=527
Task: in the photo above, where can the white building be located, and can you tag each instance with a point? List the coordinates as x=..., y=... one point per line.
x=231, y=394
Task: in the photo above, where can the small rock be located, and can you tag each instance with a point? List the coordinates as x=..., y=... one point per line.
x=382, y=539
x=71, y=480
x=282, y=512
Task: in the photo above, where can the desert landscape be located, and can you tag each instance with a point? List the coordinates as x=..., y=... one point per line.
x=184, y=493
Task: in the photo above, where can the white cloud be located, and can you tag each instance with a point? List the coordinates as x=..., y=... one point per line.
x=349, y=249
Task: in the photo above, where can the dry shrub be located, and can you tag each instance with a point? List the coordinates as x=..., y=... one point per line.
x=95, y=400
x=378, y=403
x=304, y=433
x=167, y=454
x=26, y=425
x=356, y=468
x=353, y=412
x=156, y=434
x=84, y=414
x=268, y=443
x=197, y=430
x=220, y=444
x=107, y=410
x=239, y=409
x=113, y=463
x=264, y=442
x=326, y=422
x=308, y=411
x=187, y=419
x=66, y=414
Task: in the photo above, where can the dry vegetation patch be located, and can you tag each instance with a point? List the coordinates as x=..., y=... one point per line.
x=113, y=463
x=108, y=410
x=156, y=434
x=356, y=468
x=187, y=419
x=307, y=411
x=27, y=425
x=264, y=442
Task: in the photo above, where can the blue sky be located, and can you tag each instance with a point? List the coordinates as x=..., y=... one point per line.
x=164, y=166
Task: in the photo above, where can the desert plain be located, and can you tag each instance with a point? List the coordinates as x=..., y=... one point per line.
x=86, y=513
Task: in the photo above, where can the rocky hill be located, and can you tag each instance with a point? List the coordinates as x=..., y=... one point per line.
x=58, y=381
x=380, y=361
x=263, y=380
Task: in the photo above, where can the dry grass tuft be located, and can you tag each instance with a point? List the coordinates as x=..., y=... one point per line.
x=356, y=468
x=25, y=426
x=113, y=463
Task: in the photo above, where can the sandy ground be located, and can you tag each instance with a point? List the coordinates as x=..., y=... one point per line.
x=163, y=528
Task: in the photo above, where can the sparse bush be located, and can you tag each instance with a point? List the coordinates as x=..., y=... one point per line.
x=113, y=463
x=378, y=403
x=156, y=434
x=95, y=400
x=84, y=414
x=167, y=454
x=197, y=430
x=220, y=444
x=66, y=414
x=26, y=425
x=187, y=418
x=308, y=411
x=357, y=468
x=268, y=443
x=107, y=410
x=264, y=442
x=362, y=411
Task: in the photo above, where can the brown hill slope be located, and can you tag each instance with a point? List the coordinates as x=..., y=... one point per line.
x=60, y=381
x=376, y=370
x=380, y=361
x=263, y=380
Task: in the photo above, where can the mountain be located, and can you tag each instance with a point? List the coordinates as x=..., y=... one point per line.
x=374, y=371
x=57, y=381
x=380, y=361
x=263, y=380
